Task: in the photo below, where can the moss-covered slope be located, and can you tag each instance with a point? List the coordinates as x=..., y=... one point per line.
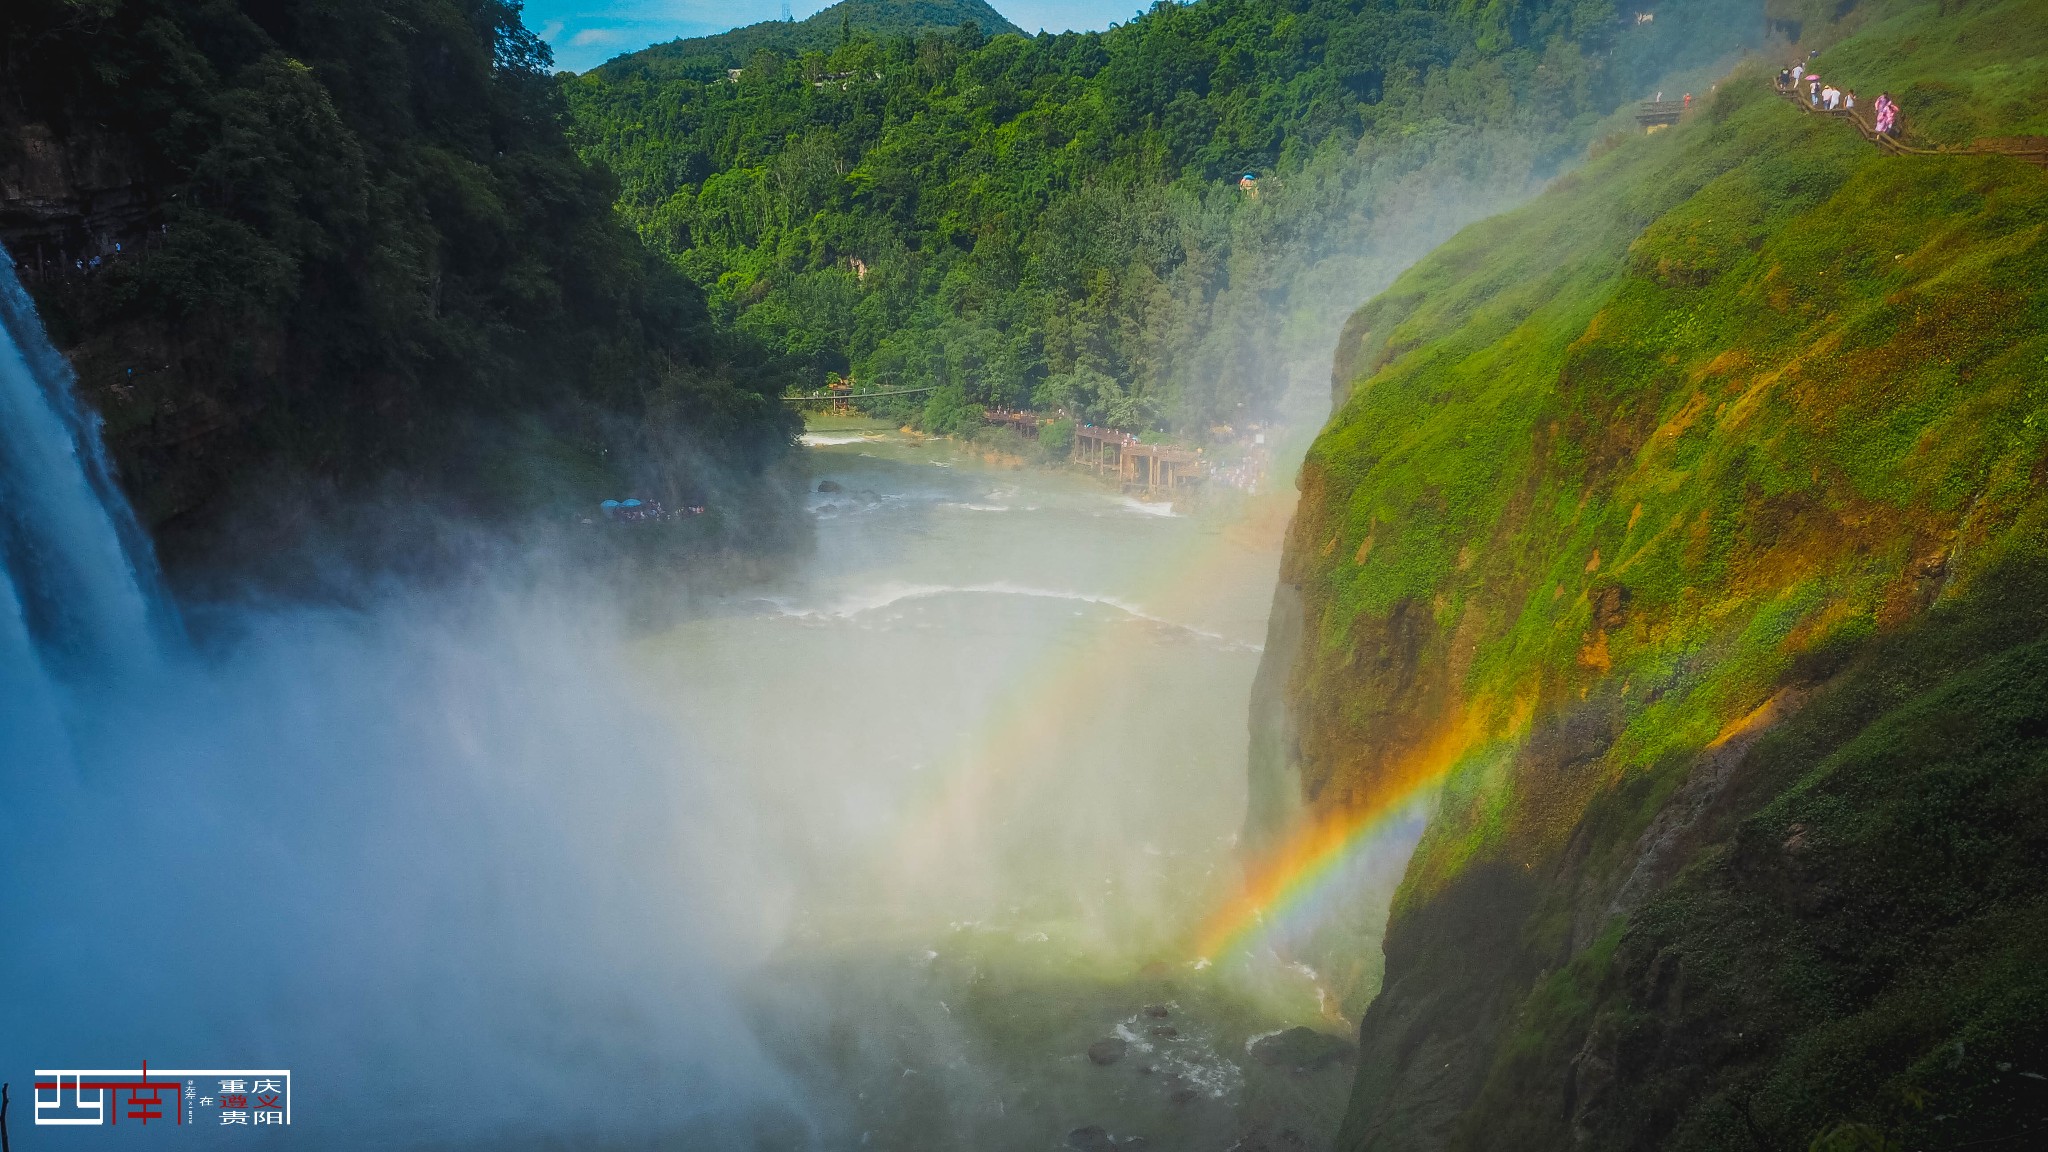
x=1689, y=523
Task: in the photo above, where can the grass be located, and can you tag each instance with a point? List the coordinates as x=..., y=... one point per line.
x=1727, y=407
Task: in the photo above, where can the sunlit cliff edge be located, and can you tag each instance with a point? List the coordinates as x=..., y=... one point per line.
x=1687, y=532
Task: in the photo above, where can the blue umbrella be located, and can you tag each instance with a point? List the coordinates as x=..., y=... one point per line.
x=629, y=504
x=609, y=504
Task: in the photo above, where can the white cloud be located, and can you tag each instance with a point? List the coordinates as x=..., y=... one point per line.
x=596, y=36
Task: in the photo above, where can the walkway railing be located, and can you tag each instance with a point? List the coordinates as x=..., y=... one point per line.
x=2032, y=149
x=849, y=397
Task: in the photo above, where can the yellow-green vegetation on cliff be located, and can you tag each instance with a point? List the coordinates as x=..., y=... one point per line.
x=1692, y=520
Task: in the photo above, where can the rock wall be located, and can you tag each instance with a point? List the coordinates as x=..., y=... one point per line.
x=1659, y=521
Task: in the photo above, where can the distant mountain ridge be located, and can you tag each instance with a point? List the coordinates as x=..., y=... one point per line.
x=821, y=31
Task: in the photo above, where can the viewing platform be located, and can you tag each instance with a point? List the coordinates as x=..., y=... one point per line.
x=1026, y=424
x=1659, y=113
x=1138, y=466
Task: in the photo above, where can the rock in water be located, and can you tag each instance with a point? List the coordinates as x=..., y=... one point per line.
x=1158, y=1011
x=1091, y=1139
x=1108, y=1051
x=1302, y=1049
x=828, y=485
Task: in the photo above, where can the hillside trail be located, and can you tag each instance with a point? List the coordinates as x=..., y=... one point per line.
x=2031, y=149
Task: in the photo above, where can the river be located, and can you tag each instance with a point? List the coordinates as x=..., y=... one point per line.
x=906, y=847
x=1008, y=770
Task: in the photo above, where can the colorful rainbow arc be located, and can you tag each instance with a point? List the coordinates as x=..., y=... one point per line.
x=1302, y=866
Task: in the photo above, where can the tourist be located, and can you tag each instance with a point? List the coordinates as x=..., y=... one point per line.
x=1849, y=100
x=1831, y=98
x=1784, y=79
x=1798, y=70
x=1813, y=88
x=1687, y=106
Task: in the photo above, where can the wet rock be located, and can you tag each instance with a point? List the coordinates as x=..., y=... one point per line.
x=1164, y=1031
x=1091, y=1139
x=828, y=486
x=1108, y=1051
x=1158, y=1011
x=1302, y=1049
x=1183, y=1095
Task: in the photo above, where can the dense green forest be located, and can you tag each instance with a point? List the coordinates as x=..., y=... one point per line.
x=352, y=237
x=822, y=31
x=1066, y=220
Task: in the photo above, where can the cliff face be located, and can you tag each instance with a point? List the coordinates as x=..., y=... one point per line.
x=339, y=239
x=1685, y=532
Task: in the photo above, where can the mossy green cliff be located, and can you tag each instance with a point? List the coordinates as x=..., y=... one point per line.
x=1692, y=524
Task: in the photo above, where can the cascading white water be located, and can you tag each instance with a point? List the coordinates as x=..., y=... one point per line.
x=79, y=598
x=491, y=865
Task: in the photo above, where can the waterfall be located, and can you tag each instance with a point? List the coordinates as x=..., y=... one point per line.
x=80, y=603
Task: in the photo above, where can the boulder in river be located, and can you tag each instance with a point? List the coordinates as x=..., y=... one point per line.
x=1158, y=1011
x=1108, y=1051
x=828, y=485
x=1302, y=1049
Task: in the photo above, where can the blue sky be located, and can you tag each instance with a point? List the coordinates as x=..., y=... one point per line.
x=586, y=33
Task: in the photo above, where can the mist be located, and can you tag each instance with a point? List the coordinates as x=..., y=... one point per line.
x=542, y=843
x=527, y=847
x=441, y=857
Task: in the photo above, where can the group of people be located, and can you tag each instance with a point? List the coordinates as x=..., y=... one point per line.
x=643, y=511
x=1827, y=97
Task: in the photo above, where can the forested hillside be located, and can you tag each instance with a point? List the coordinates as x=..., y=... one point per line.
x=1684, y=533
x=1162, y=224
x=340, y=237
x=822, y=31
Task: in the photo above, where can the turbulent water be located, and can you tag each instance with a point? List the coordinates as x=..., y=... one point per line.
x=1010, y=769
x=868, y=856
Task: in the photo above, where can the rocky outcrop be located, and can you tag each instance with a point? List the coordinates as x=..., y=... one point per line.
x=1274, y=802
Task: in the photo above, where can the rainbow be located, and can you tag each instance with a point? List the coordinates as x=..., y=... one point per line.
x=1296, y=873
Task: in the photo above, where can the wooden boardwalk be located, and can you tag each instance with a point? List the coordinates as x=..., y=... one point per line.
x=1138, y=467
x=2031, y=149
x=1025, y=424
x=1659, y=113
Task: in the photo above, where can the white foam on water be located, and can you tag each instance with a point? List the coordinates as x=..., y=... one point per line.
x=830, y=439
x=1133, y=504
x=889, y=595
